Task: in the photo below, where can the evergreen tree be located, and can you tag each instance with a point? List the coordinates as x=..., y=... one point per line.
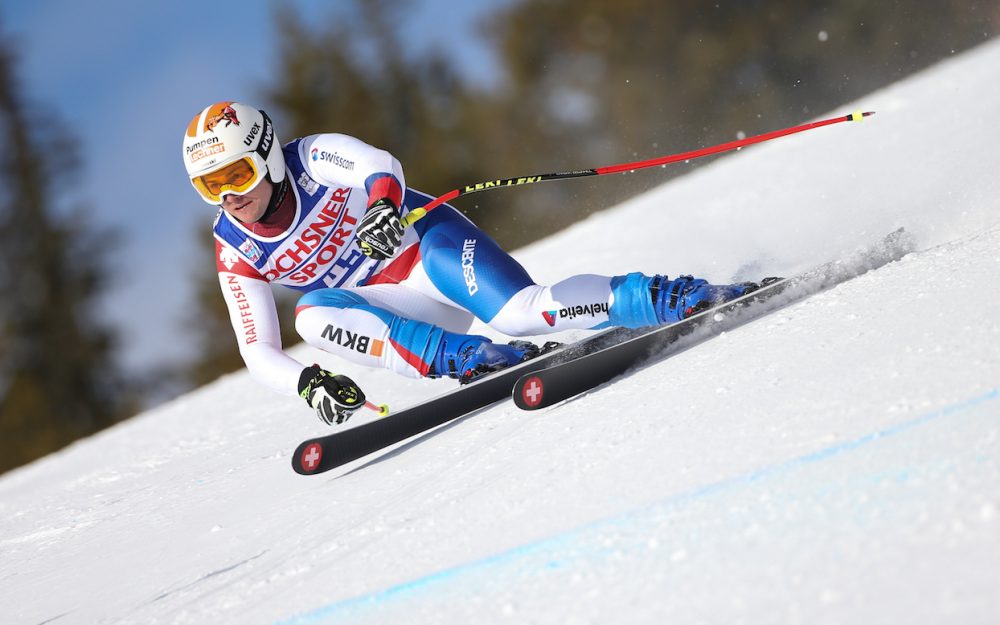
x=57, y=379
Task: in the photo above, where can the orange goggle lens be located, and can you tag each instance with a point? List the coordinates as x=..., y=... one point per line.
x=238, y=177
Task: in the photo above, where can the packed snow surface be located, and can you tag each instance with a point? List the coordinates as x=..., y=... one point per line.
x=833, y=462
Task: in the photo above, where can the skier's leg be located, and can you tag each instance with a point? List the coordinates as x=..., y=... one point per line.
x=452, y=250
x=472, y=271
x=594, y=302
x=466, y=265
x=388, y=326
x=343, y=323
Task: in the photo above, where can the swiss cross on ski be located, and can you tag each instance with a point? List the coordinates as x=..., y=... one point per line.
x=311, y=457
x=533, y=391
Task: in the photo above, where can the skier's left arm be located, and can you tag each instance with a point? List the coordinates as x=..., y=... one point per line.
x=340, y=159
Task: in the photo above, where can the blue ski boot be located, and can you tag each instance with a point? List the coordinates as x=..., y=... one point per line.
x=674, y=300
x=467, y=357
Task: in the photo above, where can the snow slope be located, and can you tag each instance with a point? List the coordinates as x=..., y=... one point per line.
x=835, y=462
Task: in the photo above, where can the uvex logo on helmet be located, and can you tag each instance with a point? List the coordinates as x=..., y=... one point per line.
x=227, y=114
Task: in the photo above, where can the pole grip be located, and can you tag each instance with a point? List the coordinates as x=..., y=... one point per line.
x=413, y=216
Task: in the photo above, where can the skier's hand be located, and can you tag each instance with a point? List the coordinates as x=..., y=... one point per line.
x=334, y=397
x=380, y=232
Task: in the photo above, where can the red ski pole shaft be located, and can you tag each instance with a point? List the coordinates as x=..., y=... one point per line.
x=418, y=213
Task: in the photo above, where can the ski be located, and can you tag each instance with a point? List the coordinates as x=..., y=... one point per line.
x=603, y=356
x=320, y=454
x=563, y=380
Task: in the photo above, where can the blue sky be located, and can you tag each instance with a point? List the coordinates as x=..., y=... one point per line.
x=126, y=77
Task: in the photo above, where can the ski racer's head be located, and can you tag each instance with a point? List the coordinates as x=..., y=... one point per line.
x=234, y=160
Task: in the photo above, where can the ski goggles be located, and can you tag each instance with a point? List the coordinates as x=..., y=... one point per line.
x=238, y=177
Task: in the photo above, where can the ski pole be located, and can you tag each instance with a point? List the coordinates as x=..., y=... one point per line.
x=418, y=213
x=381, y=409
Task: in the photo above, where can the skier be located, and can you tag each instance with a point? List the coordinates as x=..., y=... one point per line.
x=322, y=215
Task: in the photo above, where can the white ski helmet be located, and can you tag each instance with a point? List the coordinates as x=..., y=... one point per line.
x=228, y=148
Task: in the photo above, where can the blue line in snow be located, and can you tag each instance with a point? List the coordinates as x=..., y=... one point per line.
x=401, y=590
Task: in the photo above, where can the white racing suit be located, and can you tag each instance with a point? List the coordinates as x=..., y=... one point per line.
x=391, y=314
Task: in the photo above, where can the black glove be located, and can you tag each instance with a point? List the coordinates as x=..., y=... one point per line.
x=334, y=397
x=380, y=232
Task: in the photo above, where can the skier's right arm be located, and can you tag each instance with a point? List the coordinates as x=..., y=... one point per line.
x=254, y=317
x=255, y=320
